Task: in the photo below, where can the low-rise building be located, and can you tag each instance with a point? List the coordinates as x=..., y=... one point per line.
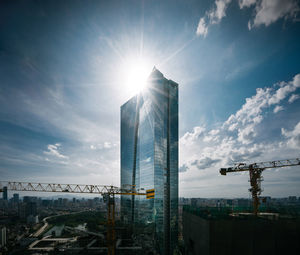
x=215, y=231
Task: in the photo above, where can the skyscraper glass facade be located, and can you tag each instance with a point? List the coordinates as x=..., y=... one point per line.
x=149, y=159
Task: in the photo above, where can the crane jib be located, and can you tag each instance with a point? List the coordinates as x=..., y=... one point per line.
x=255, y=172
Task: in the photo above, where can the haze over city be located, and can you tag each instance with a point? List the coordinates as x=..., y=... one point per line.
x=67, y=67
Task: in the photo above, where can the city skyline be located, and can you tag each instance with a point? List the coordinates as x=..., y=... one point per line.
x=237, y=63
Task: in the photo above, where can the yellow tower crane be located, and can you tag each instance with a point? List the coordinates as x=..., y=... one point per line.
x=255, y=171
x=107, y=191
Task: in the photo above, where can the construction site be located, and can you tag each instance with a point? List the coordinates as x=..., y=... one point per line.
x=219, y=231
x=257, y=226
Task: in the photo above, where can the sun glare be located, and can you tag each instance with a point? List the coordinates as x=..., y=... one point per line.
x=136, y=73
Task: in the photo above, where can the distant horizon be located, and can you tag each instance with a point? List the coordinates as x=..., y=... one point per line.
x=95, y=196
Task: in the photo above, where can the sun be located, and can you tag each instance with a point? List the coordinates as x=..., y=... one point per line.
x=136, y=73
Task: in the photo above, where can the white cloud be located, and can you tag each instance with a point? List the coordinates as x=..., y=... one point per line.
x=213, y=16
x=53, y=151
x=294, y=136
x=250, y=115
x=246, y=3
x=285, y=89
x=202, y=28
x=278, y=108
x=269, y=11
x=217, y=14
x=193, y=136
x=235, y=140
x=205, y=162
x=296, y=81
x=214, y=132
x=293, y=98
x=212, y=135
x=233, y=126
x=183, y=168
x=246, y=134
x=105, y=145
x=266, y=12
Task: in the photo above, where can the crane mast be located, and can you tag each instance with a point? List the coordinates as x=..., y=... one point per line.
x=255, y=172
x=107, y=191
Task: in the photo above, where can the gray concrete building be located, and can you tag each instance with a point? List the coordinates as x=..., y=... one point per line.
x=207, y=233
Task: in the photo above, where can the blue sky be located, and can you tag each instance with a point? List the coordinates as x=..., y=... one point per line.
x=62, y=71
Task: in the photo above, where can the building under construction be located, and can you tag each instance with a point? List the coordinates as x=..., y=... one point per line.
x=211, y=231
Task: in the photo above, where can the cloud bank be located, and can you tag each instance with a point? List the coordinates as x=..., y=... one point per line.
x=213, y=16
x=265, y=12
x=238, y=138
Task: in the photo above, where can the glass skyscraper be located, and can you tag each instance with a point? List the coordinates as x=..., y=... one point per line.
x=149, y=159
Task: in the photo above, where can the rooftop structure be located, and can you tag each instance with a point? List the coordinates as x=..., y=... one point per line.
x=217, y=231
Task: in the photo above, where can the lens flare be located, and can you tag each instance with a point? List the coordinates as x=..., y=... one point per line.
x=136, y=73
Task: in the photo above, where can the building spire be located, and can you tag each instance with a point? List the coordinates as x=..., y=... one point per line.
x=156, y=74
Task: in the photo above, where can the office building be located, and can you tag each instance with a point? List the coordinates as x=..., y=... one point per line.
x=16, y=198
x=2, y=236
x=28, y=199
x=32, y=219
x=31, y=209
x=149, y=159
x=22, y=210
x=4, y=193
